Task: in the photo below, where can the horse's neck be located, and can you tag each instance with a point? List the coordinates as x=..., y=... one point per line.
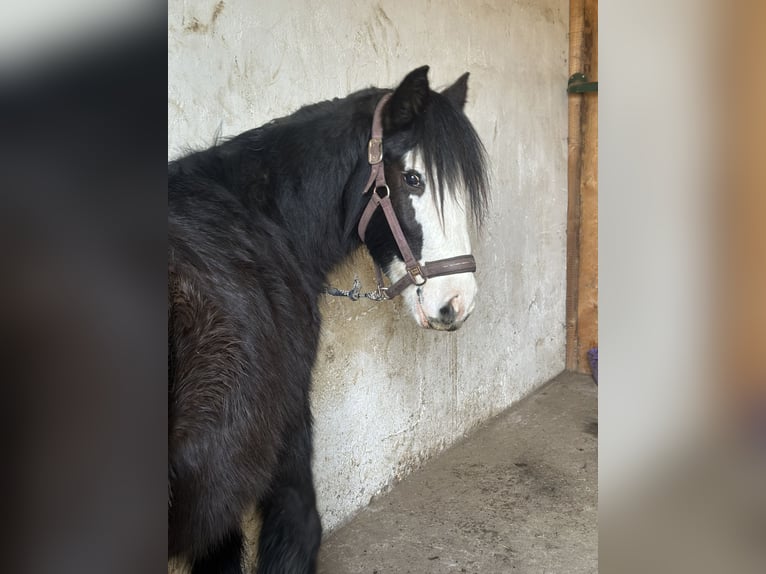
x=308, y=193
x=315, y=217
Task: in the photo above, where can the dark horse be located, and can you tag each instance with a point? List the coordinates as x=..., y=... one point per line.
x=256, y=223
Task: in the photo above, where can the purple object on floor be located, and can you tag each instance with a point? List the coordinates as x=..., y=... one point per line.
x=593, y=360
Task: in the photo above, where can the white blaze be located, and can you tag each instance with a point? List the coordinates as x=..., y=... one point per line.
x=442, y=238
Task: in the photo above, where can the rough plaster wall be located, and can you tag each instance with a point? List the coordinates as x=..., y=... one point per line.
x=388, y=394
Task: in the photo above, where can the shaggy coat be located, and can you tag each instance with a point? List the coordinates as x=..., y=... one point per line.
x=256, y=223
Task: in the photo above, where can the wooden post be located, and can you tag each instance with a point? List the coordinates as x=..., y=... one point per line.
x=576, y=16
x=582, y=215
x=741, y=269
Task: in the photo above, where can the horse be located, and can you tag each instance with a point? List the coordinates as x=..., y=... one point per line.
x=256, y=223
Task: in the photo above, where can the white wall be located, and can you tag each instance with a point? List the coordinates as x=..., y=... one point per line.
x=387, y=394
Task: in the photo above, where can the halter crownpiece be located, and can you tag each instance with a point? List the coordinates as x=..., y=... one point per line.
x=417, y=274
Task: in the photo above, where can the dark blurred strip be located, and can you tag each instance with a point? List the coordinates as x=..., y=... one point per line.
x=82, y=304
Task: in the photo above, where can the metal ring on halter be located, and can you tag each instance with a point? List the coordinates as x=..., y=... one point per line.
x=388, y=191
x=381, y=292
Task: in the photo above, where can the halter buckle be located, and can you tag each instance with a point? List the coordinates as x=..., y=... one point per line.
x=416, y=272
x=375, y=151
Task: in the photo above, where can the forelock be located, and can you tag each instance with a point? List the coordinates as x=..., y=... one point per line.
x=453, y=156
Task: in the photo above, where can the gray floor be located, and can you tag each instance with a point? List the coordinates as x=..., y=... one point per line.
x=518, y=495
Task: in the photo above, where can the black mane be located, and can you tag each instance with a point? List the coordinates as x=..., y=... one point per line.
x=453, y=152
x=451, y=148
x=293, y=171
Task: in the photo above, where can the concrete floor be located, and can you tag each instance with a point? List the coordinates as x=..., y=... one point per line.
x=517, y=495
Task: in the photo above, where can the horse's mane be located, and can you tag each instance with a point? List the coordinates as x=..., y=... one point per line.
x=451, y=150
x=454, y=156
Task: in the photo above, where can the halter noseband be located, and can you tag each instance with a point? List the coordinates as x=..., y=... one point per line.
x=417, y=274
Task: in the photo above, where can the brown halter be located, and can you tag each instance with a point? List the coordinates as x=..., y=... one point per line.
x=417, y=274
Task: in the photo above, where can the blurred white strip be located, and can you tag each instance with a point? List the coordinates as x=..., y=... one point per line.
x=655, y=176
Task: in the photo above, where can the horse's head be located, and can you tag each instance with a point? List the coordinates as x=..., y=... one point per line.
x=435, y=169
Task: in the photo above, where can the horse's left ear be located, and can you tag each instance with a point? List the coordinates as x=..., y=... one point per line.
x=408, y=100
x=458, y=91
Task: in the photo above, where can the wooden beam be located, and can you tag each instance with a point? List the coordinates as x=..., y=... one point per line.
x=587, y=290
x=576, y=24
x=742, y=259
x=582, y=215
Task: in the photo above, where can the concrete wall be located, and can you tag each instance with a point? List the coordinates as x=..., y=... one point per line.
x=387, y=394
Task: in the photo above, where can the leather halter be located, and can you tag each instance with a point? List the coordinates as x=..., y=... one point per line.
x=417, y=274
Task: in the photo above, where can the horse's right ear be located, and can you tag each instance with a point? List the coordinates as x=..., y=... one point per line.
x=458, y=91
x=408, y=100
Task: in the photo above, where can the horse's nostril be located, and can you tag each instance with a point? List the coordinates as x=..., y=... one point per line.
x=447, y=314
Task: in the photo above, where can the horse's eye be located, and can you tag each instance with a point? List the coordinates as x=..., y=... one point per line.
x=413, y=179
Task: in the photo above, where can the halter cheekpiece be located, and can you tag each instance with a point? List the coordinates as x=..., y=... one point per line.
x=417, y=274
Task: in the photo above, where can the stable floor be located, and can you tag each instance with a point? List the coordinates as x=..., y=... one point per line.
x=517, y=495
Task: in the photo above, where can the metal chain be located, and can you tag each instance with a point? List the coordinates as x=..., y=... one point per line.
x=355, y=293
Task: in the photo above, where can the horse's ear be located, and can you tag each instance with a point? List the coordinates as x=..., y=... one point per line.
x=457, y=92
x=408, y=100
